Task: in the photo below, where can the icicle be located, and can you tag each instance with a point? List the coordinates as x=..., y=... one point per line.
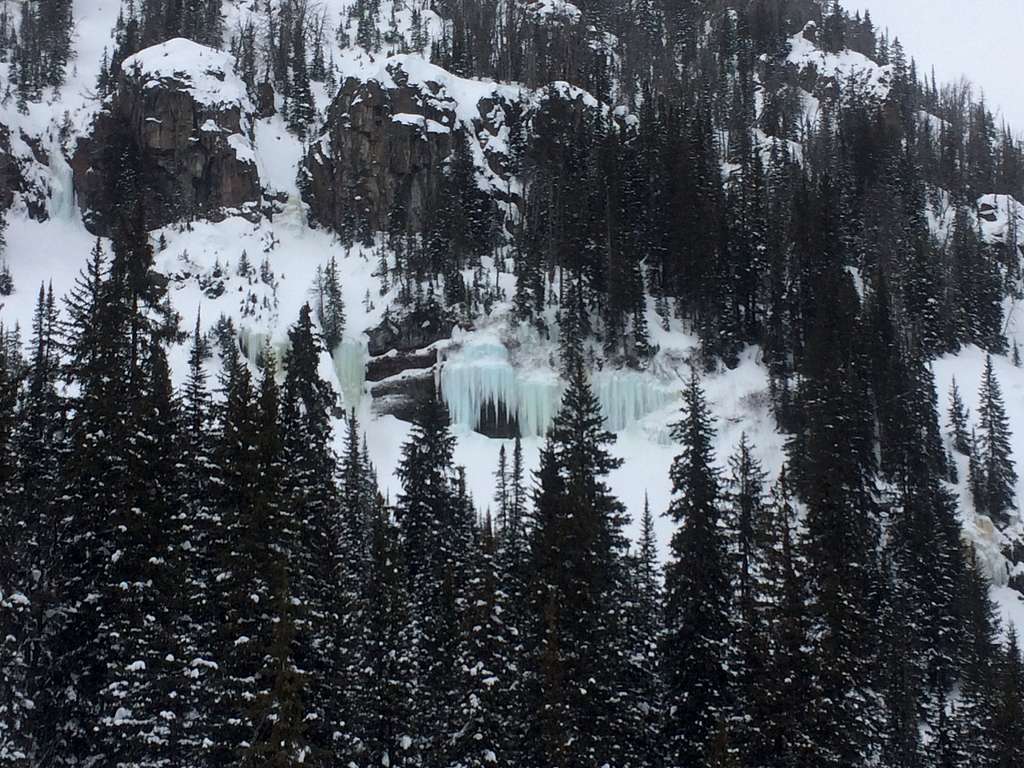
x=481, y=378
x=628, y=396
x=252, y=343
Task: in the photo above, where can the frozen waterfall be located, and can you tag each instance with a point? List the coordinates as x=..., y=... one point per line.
x=627, y=396
x=349, y=359
x=481, y=379
x=481, y=375
x=254, y=343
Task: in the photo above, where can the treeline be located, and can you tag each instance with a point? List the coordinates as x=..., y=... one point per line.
x=193, y=576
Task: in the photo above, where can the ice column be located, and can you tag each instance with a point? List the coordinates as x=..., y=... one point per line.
x=627, y=396
x=349, y=359
x=481, y=376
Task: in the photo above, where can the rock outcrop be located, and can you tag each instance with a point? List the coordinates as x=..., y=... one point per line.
x=404, y=362
x=186, y=114
x=11, y=179
x=388, y=137
x=384, y=148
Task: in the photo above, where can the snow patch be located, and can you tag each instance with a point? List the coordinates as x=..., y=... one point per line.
x=848, y=68
x=1001, y=219
x=207, y=75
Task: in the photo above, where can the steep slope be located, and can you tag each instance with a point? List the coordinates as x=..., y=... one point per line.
x=258, y=269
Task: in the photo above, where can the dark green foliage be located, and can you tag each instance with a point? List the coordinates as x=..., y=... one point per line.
x=958, y=416
x=698, y=603
x=1009, y=738
x=995, y=479
x=578, y=711
x=330, y=307
x=195, y=578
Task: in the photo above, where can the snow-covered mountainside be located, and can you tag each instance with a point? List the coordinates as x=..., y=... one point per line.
x=251, y=196
x=490, y=366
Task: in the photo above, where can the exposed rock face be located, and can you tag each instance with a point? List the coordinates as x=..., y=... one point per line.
x=186, y=113
x=404, y=359
x=388, y=138
x=402, y=395
x=411, y=331
x=394, y=363
x=11, y=180
x=383, y=147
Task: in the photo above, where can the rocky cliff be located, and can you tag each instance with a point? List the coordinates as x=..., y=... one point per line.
x=388, y=136
x=11, y=180
x=184, y=113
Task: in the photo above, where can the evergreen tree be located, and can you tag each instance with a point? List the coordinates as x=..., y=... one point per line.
x=331, y=307
x=783, y=713
x=310, y=532
x=301, y=108
x=196, y=517
x=743, y=514
x=386, y=697
x=698, y=604
x=1009, y=745
x=997, y=478
x=578, y=639
x=834, y=463
x=974, y=719
x=484, y=729
x=958, y=416
x=245, y=539
x=434, y=547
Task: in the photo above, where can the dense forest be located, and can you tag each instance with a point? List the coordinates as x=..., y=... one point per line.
x=194, y=576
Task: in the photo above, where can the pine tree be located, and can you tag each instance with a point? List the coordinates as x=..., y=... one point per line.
x=383, y=704
x=358, y=505
x=486, y=662
x=997, y=476
x=576, y=572
x=501, y=494
x=301, y=108
x=309, y=517
x=245, y=539
x=644, y=608
x=833, y=462
x=31, y=423
x=958, y=416
x=331, y=307
x=432, y=525
x=196, y=517
x=1009, y=717
x=975, y=741
x=511, y=560
x=782, y=713
x=698, y=605
x=743, y=514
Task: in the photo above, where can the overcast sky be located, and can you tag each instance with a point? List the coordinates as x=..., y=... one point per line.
x=980, y=39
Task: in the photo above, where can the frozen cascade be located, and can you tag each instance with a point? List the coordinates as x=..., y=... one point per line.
x=252, y=343
x=627, y=396
x=482, y=376
x=63, y=201
x=349, y=359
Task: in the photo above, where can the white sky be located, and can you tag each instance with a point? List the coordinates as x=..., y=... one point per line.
x=980, y=39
